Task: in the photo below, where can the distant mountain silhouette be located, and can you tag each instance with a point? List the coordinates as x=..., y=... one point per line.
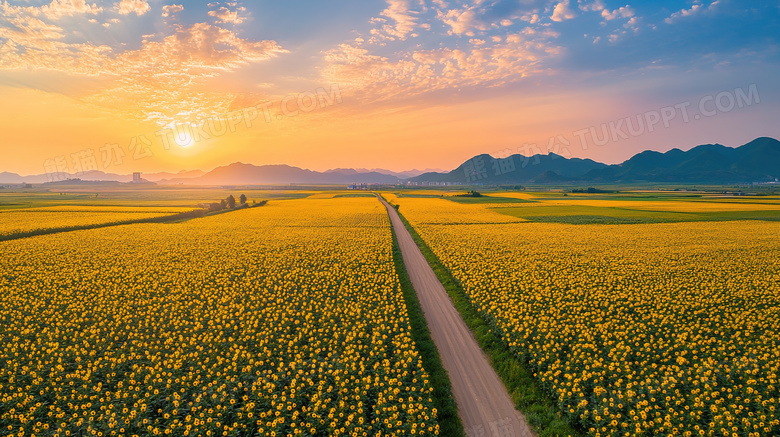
x=154, y=177
x=399, y=174
x=13, y=178
x=233, y=174
x=756, y=161
x=248, y=174
x=514, y=169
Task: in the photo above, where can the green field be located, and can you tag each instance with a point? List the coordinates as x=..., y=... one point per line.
x=485, y=199
x=619, y=207
x=577, y=214
x=124, y=197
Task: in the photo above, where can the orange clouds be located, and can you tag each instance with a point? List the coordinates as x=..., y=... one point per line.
x=126, y=7
x=462, y=21
x=404, y=20
x=159, y=82
x=33, y=44
x=562, y=12
x=491, y=62
x=171, y=10
x=225, y=15
x=54, y=10
x=200, y=48
x=369, y=70
x=61, y=8
x=162, y=81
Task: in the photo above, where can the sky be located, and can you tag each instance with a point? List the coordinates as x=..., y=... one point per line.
x=145, y=85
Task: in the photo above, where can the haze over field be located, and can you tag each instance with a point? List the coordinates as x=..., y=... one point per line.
x=158, y=87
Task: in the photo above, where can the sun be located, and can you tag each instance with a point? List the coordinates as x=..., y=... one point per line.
x=183, y=139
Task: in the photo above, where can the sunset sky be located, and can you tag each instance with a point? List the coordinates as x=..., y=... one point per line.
x=137, y=85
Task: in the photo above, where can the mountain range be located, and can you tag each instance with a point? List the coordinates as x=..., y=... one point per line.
x=756, y=161
x=234, y=174
x=13, y=178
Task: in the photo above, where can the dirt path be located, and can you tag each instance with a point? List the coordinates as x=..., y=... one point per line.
x=484, y=405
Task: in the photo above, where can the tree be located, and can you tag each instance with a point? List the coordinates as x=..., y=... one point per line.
x=222, y=204
x=242, y=199
x=231, y=201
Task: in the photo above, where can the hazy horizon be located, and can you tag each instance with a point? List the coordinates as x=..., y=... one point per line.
x=359, y=169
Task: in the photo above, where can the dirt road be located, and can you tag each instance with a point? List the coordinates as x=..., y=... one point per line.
x=484, y=405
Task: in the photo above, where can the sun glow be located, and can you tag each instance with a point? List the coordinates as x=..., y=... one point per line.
x=183, y=139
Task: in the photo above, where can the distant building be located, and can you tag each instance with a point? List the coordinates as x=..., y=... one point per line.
x=137, y=177
x=436, y=184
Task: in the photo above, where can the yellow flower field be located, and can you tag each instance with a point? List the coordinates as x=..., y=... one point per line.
x=642, y=329
x=282, y=320
x=63, y=217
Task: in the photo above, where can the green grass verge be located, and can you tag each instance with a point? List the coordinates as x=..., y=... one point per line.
x=449, y=421
x=540, y=410
x=422, y=196
x=353, y=195
x=585, y=215
x=486, y=199
x=162, y=196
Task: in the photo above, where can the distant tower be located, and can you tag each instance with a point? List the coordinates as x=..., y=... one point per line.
x=137, y=177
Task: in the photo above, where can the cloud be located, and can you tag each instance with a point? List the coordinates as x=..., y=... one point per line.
x=225, y=15
x=596, y=6
x=28, y=30
x=63, y=8
x=28, y=43
x=462, y=21
x=501, y=54
x=396, y=22
x=623, y=12
x=562, y=12
x=405, y=21
x=180, y=64
x=633, y=24
x=696, y=9
x=701, y=38
x=125, y=7
x=203, y=47
x=483, y=63
x=482, y=16
x=163, y=81
x=171, y=10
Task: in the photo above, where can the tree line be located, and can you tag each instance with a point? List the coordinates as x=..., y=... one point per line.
x=230, y=203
